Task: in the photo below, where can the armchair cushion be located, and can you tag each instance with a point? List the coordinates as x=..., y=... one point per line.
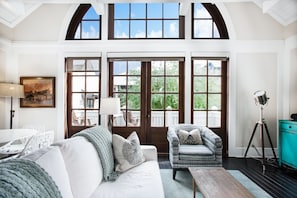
x=190, y=137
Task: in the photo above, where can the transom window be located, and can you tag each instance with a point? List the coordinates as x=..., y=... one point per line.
x=85, y=24
x=207, y=22
x=145, y=20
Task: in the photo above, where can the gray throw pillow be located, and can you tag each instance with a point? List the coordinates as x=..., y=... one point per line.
x=127, y=152
x=192, y=137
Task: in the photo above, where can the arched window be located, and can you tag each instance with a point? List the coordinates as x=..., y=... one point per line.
x=85, y=24
x=207, y=22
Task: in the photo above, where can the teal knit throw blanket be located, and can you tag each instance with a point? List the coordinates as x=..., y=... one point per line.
x=21, y=178
x=101, y=138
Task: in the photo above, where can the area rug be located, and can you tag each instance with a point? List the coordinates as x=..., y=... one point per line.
x=182, y=185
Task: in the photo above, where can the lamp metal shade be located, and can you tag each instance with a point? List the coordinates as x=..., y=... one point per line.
x=110, y=106
x=260, y=97
x=11, y=90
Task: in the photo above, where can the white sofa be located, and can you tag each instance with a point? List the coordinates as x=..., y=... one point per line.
x=76, y=169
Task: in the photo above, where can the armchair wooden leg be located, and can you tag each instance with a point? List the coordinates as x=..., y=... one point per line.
x=174, y=173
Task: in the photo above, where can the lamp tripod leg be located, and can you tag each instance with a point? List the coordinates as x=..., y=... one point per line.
x=267, y=132
x=255, y=128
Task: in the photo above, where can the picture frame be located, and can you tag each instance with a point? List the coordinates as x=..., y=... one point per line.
x=39, y=92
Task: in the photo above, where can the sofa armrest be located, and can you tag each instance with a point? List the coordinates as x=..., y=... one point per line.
x=212, y=140
x=172, y=137
x=149, y=152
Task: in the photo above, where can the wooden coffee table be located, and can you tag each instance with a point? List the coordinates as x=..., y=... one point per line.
x=217, y=182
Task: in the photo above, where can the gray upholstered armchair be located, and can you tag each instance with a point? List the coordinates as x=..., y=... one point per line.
x=194, y=155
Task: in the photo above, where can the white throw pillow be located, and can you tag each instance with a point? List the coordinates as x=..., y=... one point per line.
x=192, y=137
x=127, y=152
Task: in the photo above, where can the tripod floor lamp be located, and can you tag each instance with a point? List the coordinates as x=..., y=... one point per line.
x=261, y=99
x=12, y=91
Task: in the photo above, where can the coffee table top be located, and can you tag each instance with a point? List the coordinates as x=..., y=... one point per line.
x=217, y=182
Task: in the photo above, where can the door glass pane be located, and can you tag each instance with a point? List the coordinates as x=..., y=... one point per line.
x=172, y=84
x=78, y=84
x=157, y=84
x=172, y=102
x=78, y=117
x=157, y=101
x=200, y=118
x=214, y=101
x=92, y=101
x=92, y=118
x=92, y=84
x=78, y=65
x=120, y=84
x=134, y=101
x=200, y=67
x=172, y=68
x=171, y=118
x=118, y=120
x=157, y=118
x=214, y=67
x=92, y=65
x=214, y=84
x=78, y=101
x=134, y=67
x=200, y=84
x=157, y=67
x=200, y=102
x=133, y=118
x=134, y=84
x=214, y=119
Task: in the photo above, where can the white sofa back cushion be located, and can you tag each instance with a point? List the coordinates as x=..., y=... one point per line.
x=51, y=160
x=83, y=165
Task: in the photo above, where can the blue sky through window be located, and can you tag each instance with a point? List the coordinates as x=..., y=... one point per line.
x=140, y=20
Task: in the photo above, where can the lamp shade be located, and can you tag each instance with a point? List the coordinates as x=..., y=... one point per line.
x=110, y=106
x=11, y=90
x=260, y=97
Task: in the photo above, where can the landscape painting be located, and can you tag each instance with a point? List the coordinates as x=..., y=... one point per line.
x=39, y=92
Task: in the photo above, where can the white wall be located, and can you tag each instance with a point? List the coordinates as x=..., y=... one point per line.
x=257, y=51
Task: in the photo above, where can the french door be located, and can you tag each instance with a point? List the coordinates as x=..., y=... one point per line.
x=209, y=95
x=151, y=94
x=83, y=93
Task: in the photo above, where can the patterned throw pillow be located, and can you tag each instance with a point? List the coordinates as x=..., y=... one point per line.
x=192, y=137
x=127, y=152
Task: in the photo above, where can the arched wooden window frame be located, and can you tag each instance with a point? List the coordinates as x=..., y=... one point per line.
x=217, y=19
x=76, y=20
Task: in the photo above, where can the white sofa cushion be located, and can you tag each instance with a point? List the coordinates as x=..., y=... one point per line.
x=51, y=160
x=83, y=165
x=141, y=181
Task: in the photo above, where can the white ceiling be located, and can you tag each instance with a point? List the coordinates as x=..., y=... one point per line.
x=14, y=11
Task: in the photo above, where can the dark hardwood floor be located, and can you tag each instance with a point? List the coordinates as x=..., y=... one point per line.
x=279, y=182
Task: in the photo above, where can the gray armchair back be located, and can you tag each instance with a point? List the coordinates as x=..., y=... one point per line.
x=184, y=156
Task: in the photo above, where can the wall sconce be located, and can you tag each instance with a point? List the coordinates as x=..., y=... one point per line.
x=13, y=91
